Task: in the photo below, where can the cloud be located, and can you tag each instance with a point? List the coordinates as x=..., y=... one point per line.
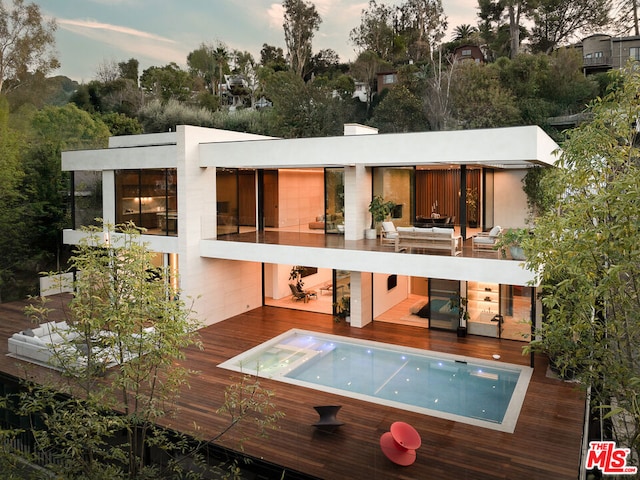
x=92, y=25
x=275, y=14
x=128, y=40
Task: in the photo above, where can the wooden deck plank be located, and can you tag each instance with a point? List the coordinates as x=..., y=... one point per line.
x=545, y=444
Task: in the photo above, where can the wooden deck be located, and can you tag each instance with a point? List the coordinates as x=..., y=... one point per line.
x=545, y=445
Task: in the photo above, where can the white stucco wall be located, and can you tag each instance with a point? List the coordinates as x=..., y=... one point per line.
x=510, y=207
x=384, y=299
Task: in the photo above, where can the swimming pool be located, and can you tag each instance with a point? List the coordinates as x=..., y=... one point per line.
x=469, y=390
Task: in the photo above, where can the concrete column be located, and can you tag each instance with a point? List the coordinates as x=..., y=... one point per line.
x=361, y=305
x=357, y=195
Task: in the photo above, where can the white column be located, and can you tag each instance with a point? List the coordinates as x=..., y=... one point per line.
x=361, y=308
x=357, y=195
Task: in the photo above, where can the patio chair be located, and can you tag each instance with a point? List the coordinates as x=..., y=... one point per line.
x=483, y=241
x=388, y=234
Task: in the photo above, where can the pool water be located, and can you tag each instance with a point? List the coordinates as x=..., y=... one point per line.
x=485, y=393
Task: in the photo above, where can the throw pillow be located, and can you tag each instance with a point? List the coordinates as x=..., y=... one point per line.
x=28, y=333
x=424, y=311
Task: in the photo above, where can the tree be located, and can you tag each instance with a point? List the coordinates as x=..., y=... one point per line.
x=556, y=22
x=304, y=109
x=201, y=64
x=375, y=32
x=12, y=203
x=479, y=100
x=437, y=98
x=492, y=13
x=365, y=69
x=128, y=329
x=25, y=43
x=167, y=82
x=585, y=249
x=129, y=70
x=272, y=57
x=399, y=111
x=422, y=24
x=626, y=17
x=463, y=32
x=301, y=20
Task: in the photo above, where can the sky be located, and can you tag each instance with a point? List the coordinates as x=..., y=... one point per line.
x=156, y=32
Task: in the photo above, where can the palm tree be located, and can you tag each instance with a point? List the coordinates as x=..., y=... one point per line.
x=463, y=32
x=221, y=61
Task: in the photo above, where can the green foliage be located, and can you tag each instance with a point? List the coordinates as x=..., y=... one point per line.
x=121, y=373
x=380, y=209
x=585, y=249
x=301, y=21
x=121, y=124
x=168, y=82
x=479, y=99
x=158, y=117
x=69, y=128
x=399, y=111
x=539, y=196
x=303, y=109
x=26, y=40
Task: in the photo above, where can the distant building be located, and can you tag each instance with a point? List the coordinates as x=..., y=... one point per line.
x=387, y=79
x=601, y=52
x=469, y=52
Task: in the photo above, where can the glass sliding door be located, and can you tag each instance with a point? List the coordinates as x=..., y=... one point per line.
x=334, y=200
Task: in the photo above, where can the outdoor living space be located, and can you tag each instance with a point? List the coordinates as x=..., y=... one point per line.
x=546, y=442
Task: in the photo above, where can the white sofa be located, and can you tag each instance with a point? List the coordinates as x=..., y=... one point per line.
x=52, y=342
x=434, y=238
x=40, y=344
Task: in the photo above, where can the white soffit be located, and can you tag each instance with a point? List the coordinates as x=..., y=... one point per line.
x=514, y=147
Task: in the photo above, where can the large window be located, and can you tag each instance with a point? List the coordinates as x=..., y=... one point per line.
x=396, y=185
x=634, y=53
x=334, y=200
x=148, y=198
x=87, y=198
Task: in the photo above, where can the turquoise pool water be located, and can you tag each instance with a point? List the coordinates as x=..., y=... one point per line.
x=484, y=393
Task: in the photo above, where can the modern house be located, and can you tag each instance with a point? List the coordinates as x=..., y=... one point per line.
x=233, y=213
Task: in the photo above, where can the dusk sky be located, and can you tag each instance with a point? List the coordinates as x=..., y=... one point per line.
x=156, y=32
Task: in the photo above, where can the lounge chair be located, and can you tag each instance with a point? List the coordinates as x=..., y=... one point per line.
x=388, y=234
x=299, y=294
x=488, y=240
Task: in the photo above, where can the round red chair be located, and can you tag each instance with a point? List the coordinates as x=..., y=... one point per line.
x=400, y=443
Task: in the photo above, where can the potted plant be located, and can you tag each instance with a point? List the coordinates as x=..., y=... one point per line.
x=511, y=239
x=472, y=207
x=343, y=308
x=296, y=275
x=379, y=209
x=460, y=303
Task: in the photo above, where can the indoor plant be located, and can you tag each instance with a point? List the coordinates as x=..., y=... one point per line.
x=343, y=308
x=472, y=207
x=460, y=303
x=296, y=275
x=379, y=209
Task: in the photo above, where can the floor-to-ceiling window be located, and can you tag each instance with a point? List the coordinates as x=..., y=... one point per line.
x=227, y=218
x=87, y=198
x=396, y=184
x=334, y=200
x=148, y=198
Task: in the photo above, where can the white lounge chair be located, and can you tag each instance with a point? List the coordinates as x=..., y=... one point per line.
x=483, y=241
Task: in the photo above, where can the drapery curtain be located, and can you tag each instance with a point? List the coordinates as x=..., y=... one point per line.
x=438, y=191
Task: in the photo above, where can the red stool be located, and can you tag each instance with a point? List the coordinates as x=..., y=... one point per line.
x=400, y=443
